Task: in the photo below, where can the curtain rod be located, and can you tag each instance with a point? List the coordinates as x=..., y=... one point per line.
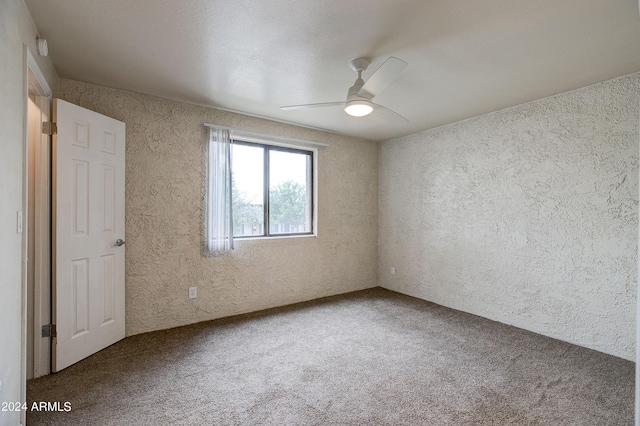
x=265, y=135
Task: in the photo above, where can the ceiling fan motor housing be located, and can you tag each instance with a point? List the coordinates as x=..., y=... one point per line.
x=353, y=90
x=357, y=106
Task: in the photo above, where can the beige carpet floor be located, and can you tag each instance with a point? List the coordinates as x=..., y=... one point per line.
x=367, y=358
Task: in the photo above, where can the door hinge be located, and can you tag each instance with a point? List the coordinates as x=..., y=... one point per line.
x=49, y=330
x=49, y=128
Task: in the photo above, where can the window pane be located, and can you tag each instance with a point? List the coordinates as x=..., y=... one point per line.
x=289, y=192
x=248, y=190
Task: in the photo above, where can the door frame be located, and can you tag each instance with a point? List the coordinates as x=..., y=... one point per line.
x=35, y=82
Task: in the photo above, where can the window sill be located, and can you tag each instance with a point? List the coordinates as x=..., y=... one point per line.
x=272, y=237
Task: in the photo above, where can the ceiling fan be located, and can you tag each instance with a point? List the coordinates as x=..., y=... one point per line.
x=360, y=96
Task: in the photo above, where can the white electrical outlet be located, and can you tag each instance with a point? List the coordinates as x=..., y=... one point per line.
x=20, y=222
x=193, y=292
x=393, y=270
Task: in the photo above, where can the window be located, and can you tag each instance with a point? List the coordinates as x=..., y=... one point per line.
x=272, y=190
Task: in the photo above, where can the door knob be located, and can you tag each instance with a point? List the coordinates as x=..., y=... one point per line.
x=119, y=243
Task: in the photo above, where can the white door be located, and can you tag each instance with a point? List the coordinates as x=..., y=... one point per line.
x=88, y=217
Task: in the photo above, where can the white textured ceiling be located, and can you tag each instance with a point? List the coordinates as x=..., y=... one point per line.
x=466, y=58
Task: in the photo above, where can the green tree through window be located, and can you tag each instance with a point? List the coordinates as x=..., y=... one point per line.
x=288, y=206
x=245, y=212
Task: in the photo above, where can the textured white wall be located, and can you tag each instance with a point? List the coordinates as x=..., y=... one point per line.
x=527, y=216
x=16, y=30
x=164, y=192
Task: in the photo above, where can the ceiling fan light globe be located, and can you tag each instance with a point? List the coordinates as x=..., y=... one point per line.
x=358, y=108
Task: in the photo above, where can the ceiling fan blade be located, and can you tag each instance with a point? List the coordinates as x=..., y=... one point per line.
x=306, y=106
x=383, y=77
x=387, y=114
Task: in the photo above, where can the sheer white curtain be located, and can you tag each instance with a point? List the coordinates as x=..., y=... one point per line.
x=219, y=220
